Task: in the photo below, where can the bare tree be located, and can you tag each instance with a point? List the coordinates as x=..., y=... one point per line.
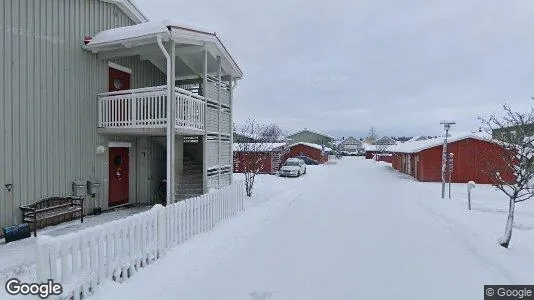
x=271, y=133
x=513, y=171
x=254, y=157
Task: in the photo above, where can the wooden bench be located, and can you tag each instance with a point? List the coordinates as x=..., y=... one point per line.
x=52, y=211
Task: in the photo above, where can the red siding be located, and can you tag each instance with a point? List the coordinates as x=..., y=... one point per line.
x=369, y=154
x=386, y=158
x=472, y=161
x=241, y=157
x=313, y=153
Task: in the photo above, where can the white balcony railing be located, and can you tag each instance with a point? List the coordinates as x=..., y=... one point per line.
x=147, y=108
x=212, y=90
x=190, y=109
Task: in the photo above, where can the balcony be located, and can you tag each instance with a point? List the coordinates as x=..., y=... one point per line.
x=144, y=111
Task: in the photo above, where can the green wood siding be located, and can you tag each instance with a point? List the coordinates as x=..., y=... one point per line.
x=309, y=137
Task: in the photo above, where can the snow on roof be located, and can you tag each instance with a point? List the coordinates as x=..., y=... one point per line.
x=129, y=32
x=257, y=147
x=311, y=145
x=184, y=25
x=349, y=139
x=369, y=147
x=385, y=139
x=416, y=146
x=316, y=132
x=139, y=33
x=416, y=138
x=130, y=9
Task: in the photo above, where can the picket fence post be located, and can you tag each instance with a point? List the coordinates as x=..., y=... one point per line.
x=162, y=232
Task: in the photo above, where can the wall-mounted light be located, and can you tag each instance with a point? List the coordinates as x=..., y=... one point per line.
x=100, y=150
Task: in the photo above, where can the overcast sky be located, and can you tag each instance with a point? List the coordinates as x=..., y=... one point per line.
x=341, y=66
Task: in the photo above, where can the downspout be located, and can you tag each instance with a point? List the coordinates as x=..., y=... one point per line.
x=169, y=121
x=205, y=140
x=231, y=92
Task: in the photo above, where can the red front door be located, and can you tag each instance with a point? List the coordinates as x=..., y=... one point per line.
x=118, y=176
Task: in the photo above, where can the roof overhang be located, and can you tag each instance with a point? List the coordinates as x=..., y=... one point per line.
x=141, y=39
x=130, y=10
x=418, y=146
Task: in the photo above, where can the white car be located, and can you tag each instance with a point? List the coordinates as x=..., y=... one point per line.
x=293, y=167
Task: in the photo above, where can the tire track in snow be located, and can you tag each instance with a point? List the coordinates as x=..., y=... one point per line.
x=457, y=232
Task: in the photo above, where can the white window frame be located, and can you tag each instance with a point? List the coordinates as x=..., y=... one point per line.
x=119, y=67
x=120, y=145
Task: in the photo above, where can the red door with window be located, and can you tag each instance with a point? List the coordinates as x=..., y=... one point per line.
x=118, y=80
x=119, y=182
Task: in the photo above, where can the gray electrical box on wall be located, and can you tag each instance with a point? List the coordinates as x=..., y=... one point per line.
x=78, y=188
x=93, y=187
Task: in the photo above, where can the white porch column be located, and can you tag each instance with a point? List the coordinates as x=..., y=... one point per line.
x=219, y=107
x=231, y=94
x=172, y=118
x=205, y=138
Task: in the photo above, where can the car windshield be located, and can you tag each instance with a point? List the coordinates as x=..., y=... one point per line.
x=291, y=163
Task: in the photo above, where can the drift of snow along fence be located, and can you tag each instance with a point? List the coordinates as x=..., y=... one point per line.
x=116, y=250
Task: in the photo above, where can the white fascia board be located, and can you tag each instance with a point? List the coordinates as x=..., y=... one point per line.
x=130, y=10
x=119, y=67
x=214, y=45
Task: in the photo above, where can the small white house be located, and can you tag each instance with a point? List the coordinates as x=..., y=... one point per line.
x=350, y=145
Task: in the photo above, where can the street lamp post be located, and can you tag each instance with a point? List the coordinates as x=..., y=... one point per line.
x=444, y=156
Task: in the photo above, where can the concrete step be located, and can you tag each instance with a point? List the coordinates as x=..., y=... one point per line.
x=192, y=174
x=186, y=196
x=190, y=185
x=193, y=167
x=190, y=181
x=188, y=191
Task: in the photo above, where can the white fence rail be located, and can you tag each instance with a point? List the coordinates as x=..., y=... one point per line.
x=147, y=108
x=82, y=260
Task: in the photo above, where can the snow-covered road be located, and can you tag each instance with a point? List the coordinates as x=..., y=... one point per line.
x=353, y=230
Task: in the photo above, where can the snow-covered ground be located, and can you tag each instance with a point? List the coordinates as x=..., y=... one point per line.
x=352, y=230
x=17, y=259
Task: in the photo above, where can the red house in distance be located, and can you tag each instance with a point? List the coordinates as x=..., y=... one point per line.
x=312, y=151
x=270, y=156
x=473, y=156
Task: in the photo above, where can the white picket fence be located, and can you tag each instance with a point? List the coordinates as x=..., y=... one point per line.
x=82, y=260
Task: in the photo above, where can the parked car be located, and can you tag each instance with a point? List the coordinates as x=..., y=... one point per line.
x=308, y=160
x=293, y=167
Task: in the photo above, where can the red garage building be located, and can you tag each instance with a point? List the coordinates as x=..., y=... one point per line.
x=312, y=151
x=266, y=156
x=473, y=156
